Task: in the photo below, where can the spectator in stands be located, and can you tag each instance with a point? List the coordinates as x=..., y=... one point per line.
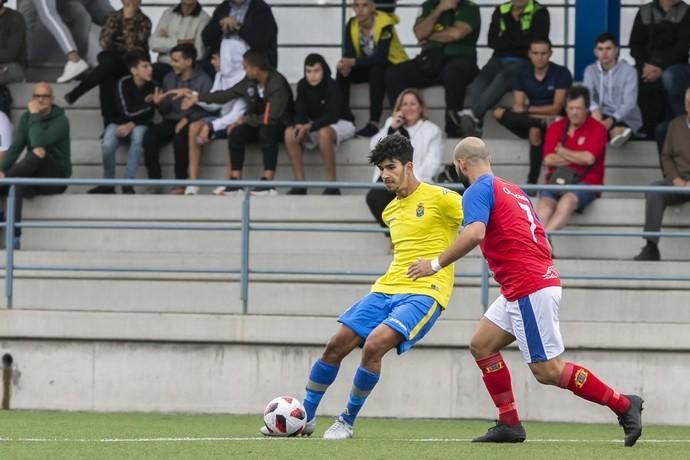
x=538, y=97
x=448, y=32
x=269, y=111
x=44, y=132
x=229, y=71
x=612, y=84
x=252, y=20
x=576, y=142
x=180, y=24
x=12, y=45
x=321, y=121
x=659, y=40
x=514, y=25
x=125, y=30
x=133, y=115
x=371, y=46
x=675, y=164
x=409, y=119
x=176, y=118
x=50, y=18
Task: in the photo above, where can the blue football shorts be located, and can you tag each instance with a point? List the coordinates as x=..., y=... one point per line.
x=410, y=315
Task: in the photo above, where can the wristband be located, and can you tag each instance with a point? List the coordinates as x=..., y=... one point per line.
x=436, y=265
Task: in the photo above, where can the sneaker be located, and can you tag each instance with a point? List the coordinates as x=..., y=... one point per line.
x=339, y=430
x=621, y=137
x=128, y=190
x=229, y=190
x=503, y=433
x=307, y=431
x=331, y=191
x=649, y=253
x=368, y=131
x=264, y=191
x=631, y=420
x=102, y=189
x=469, y=126
x=73, y=70
x=297, y=191
x=191, y=190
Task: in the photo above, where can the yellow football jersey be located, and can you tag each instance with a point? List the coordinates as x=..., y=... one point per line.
x=422, y=225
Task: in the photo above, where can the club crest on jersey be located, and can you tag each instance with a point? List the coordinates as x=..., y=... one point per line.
x=420, y=209
x=581, y=140
x=581, y=377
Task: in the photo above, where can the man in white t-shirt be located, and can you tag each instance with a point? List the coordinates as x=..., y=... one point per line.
x=6, y=133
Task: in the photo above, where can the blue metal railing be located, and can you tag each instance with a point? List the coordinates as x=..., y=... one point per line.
x=246, y=227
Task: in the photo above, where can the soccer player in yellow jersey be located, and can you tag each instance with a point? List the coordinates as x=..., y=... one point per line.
x=398, y=312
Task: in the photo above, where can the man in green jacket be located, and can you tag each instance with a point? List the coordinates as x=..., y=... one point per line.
x=44, y=132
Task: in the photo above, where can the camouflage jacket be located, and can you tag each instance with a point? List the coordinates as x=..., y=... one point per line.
x=122, y=35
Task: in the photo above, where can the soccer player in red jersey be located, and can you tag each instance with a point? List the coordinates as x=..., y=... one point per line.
x=499, y=218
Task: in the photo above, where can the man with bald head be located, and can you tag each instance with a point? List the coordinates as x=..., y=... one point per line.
x=500, y=219
x=43, y=131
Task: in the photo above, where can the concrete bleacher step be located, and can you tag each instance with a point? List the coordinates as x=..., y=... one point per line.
x=355, y=269
x=315, y=299
x=612, y=212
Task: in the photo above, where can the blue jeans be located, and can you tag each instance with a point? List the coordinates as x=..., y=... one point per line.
x=110, y=144
x=676, y=80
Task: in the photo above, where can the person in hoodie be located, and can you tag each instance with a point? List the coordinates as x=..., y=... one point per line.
x=43, y=131
x=371, y=45
x=131, y=119
x=612, y=84
x=659, y=43
x=269, y=110
x=176, y=119
x=228, y=65
x=321, y=121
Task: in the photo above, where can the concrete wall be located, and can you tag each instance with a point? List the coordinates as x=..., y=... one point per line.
x=240, y=379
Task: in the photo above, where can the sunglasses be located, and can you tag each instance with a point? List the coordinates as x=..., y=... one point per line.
x=42, y=96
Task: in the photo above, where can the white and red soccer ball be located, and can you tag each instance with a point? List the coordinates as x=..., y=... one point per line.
x=285, y=416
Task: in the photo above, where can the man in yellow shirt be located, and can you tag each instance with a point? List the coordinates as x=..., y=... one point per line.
x=398, y=312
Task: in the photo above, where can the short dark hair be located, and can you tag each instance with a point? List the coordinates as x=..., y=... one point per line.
x=133, y=58
x=605, y=37
x=393, y=147
x=257, y=58
x=576, y=92
x=187, y=49
x=540, y=41
x=313, y=59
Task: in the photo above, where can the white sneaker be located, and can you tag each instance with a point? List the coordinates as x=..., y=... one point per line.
x=191, y=190
x=339, y=430
x=73, y=70
x=621, y=138
x=307, y=431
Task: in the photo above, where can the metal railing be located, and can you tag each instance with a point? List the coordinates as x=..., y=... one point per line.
x=245, y=227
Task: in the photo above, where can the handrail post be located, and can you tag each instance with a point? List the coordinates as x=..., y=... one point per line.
x=244, y=267
x=343, y=26
x=9, y=245
x=485, y=284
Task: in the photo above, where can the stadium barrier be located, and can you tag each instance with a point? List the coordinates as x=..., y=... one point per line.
x=246, y=227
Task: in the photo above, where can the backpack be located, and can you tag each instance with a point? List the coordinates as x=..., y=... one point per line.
x=5, y=100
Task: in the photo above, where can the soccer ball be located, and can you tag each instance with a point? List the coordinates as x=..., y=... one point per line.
x=285, y=416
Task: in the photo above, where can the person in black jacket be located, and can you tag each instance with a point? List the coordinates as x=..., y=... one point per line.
x=132, y=117
x=659, y=42
x=321, y=120
x=252, y=20
x=514, y=25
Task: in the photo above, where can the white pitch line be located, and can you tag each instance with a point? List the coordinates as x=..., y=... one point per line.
x=257, y=438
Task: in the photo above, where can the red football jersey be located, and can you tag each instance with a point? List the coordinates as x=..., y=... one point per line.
x=515, y=245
